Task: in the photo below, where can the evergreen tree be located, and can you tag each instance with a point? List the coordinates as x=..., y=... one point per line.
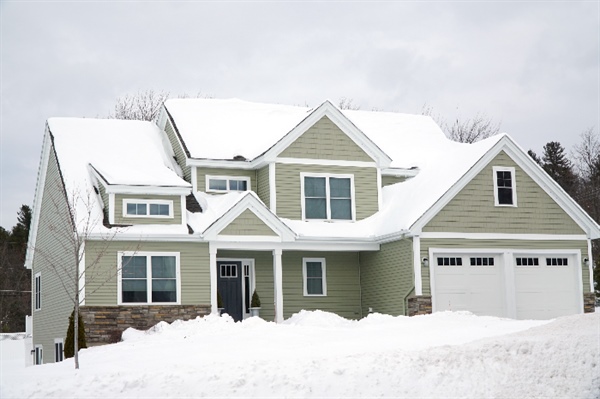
x=535, y=157
x=559, y=167
x=70, y=340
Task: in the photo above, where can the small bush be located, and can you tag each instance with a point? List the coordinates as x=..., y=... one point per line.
x=70, y=340
x=255, y=303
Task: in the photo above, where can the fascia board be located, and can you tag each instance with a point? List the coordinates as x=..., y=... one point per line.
x=251, y=203
x=38, y=198
x=400, y=172
x=125, y=236
x=152, y=190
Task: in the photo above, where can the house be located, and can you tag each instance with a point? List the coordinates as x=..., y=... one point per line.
x=346, y=211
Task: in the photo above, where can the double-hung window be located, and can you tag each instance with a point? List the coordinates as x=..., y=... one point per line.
x=505, y=188
x=328, y=197
x=38, y=355
x=315, y=282
x=147, y=278
x=227, y=183
x=58, y=350
x=148, y=208
x=38, y=291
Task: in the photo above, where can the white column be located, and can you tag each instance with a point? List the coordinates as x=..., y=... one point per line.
x=591, y=265
x=212, y=264
x=417, y=265
x=278, y=286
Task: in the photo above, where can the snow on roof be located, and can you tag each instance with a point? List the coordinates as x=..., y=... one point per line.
x=123, y=152
x=214, y=206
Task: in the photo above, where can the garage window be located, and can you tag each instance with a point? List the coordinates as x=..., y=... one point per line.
x=482, y=261
x=528, y=261
x=450, y=261
x=557, y=262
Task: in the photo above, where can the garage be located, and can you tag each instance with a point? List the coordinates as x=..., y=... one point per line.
x=522, y=285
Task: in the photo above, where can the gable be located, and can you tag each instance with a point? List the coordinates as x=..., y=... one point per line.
x=247, y=224
x=472, y=210
x=325, y=140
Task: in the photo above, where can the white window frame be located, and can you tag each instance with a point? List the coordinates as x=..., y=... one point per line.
x=327, y=176
x=59, y=341
x=147, y=202
x=323, y=272
x=228, y=180
x=37, y=291
x=510, y=169
x=38, y=349
x=149, y=256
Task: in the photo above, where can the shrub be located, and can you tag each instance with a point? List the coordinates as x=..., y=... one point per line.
x=255, y=303
x=70, y=340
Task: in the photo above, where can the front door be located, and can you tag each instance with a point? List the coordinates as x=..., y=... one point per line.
x=229, y=284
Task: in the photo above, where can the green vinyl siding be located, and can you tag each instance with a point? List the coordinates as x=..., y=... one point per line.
x=325, y=140
x=524, y=245
x=288, y=184
x=201, y=174
x=104, y=196
x=263, y=186
x=247, y=224
x=263, y=269
x=180, y=156
x=119, y=219
x=101, y=258
x=52, y=258
x=389, y=180
x=386, y=278
x=343, y=284
x=472, y=210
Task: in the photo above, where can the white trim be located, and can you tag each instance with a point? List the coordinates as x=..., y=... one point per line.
x=513, y=179
x=379, y=193
x=183, y=211
x=272, y=188
x=38, y=348
x=37, y=294
x=399, y=172
x=150, y=190
x=227, y=179
x=148, y=255
x=194, y=174
x=278, y=284
x=591, y=265
x=148, y=202
x=82, y=276
x=38, y=198
x=323, y=276
x=60, y=341
x=417, y=265
x=327, y=176
x=212, y=263
x=504, y=236
x=325, y=162
x=245, y=262
x=296, y=246
x=240, y=238
x=111, y=208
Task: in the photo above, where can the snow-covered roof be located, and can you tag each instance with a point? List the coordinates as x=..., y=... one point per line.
x=127, y=153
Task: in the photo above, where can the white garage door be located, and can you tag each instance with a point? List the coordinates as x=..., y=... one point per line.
x=465, y=282
x=545, y=286
x=519, y=285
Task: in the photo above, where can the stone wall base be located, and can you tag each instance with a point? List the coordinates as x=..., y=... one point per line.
x=419, y=305
x=589, y=302
x=105, y=324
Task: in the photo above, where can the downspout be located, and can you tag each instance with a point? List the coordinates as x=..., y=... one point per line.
x=405, y=302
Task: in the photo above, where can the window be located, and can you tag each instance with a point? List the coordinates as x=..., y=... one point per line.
x=39, y=355
x=229, y=271
x=38, y=292
x=313, y=270
x=147, y=208
x=528, y=261
x=482, y=261
x=449, y=261
x=149, y=278
x=327, y=197
x=557, y=262
x=505, y=190
x=227, y=183
x=58, y=350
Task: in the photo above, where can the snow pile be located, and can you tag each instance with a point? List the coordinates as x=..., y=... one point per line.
x=317, y=354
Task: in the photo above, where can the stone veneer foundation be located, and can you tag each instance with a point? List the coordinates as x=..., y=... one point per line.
x=589, y=302
x=105, y=324
x=419, y=305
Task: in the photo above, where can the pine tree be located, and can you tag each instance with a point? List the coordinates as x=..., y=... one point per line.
x=70, y=340
x=559, y=167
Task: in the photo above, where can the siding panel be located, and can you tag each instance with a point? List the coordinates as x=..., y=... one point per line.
x=389, y=180
x=247, y=224
x=262, y=186
x=180, y=156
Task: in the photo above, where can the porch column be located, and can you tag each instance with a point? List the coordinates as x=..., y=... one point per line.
x=417, y=265
x=278, y=290
x=212, y=264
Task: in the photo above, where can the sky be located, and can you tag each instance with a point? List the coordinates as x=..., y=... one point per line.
x=531, y=66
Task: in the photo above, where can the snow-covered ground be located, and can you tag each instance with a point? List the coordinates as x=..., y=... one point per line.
x=317, y=354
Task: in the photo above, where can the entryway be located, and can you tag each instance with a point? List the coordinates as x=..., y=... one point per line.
x=235, y=283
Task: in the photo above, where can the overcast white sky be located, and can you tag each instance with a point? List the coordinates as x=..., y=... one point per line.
x=533, y=66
